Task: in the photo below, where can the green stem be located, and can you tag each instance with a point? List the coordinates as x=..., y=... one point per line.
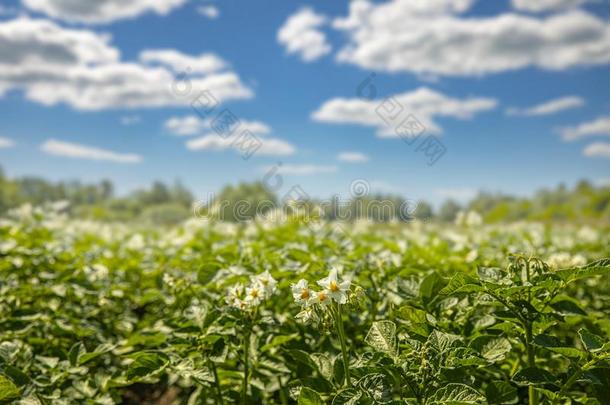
x=573, y=379
x=531, y=362
x=216, y=383
x=244, y=391
x=341, y=333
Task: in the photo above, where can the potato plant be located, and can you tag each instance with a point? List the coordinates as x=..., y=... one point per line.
x=282, y=313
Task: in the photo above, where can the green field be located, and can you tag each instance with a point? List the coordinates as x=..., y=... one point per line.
x=212, y=312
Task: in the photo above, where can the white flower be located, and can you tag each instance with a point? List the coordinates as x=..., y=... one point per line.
x=301, y=292
x=335, y=288
x=254, y=294
x=321, y=297
x=267, y=282
x=234, y=295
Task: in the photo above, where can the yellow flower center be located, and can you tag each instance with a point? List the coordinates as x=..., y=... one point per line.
x=322, y=296
x=254, y=293
x=304, y=293
x=333, y=286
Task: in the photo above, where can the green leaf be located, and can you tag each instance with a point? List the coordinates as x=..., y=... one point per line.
x=599, y=267
x=533, y=376
x=307, y=396
x=493, y=275
x=430, y=286
x=553, y=344
x=461, y=283
x=100, y=350
x=278, y=341
x=590, y=341
x=443, y=341
x=324, y=364
x=456, y=394
x=501, y=392
x=145, y=365
x=8, y=390
x=568, y=307
x=348, y=396
x=377, y=387
x=492, y=348
x=382, y=337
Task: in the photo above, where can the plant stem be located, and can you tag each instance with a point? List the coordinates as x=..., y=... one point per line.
x=531, y=362
x=244, y=391
x=573, y=379
x=341, y=333
x=216, y=383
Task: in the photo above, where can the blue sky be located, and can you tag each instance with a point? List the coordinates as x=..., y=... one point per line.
x=469, y=71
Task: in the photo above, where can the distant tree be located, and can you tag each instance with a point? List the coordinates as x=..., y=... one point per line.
x=242, y=202
x=449, y=210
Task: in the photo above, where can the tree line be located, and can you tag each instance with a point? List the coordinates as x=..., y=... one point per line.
x=171, y=203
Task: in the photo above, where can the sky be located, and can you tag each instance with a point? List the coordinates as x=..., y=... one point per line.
x=428, y=99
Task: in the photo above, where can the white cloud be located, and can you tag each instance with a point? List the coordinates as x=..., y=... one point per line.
x=353, y=157
x=268, y=146
x=459, y=194
x=300, y=34
x=181, y=63
x=80, y=68
x=193, y=125
x=423, y=103
x=537, y=6
x=549, y=107
x=188, y=125
x=597, y=149
x=599, y=126
x=100, y=11
x=6, y=143
x=432, y=38
x=78, y=151
x=301, y=170
x=130, y=119
x=210, y=12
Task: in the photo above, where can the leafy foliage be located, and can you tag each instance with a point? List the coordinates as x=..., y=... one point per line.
x=99, y=314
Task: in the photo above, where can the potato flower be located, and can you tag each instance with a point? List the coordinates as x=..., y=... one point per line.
x=301, y=293
x=267, y=282
x=235, y=296
x=322, y=298
x=254, y=294
x=334, y=287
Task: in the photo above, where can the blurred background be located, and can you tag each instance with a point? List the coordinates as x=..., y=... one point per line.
x=142, y=111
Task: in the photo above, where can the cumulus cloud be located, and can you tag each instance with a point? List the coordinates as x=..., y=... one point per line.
x=78, y=151
x=256, y=135
x=597, y=149
x=181, y=63
x=597, y=127
x=193, y=125
x=188, y=125
x=268, y=146
x=100, y=11
x=434, y=38
x=549, y=107
x=80, y=68
x=352, y=157
x=537, y=6
x=210, y=12
x=6, y=143
x=300, y=34
x=301, y=170
x=423, y=104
